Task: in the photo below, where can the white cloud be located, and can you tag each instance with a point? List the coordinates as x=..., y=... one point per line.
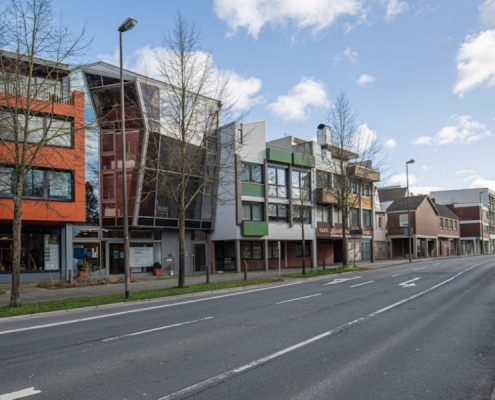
x=417, y=190
x=242, y=90
x=476, y=62
x=390, y=144
x=365, y=79
x=426, y=168
x=364, y=138
x=487, y=13
x=464, y=171
x=301, y=99
x=393, y=8
x=255, y=14
x=400, y=179
x=465, y=131
x=348, y=53
x=477, y=182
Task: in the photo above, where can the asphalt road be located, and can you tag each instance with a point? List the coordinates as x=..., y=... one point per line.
x=414, y=331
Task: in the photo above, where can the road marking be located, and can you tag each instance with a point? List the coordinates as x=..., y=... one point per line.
x=393, y=276
x=340, y=280
x=155, y=329
x=436, y=264
x=20, y=394
x=361, y=284
x=73, y=321
x=299, y=298
x=409, y=283
x=418, y=269
x=229, y=374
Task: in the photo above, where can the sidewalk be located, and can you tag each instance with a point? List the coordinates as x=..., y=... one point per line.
x=31, y=294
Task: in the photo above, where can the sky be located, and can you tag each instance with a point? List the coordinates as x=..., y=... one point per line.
x=420, y=74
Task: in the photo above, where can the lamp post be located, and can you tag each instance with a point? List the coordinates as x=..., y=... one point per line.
x=128, y=24
x=481, y=223
x=411, y=161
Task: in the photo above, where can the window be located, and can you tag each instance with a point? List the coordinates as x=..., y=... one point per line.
x=47, y=130
x=301, y=185
x=252, y=173
x=299, y=250
x=39, y=183
x=354, y=217
x=366, y=190
x=323, y=179
x=239, y=135
x=379, y=221
x=306, y=214
x=403, y=220
x=252, y=212
x=451, y=224
x=277, y=212
x=252, y=250
x=366, y=217
x=273, y=250
x=354, y=187
x=441, y=223
x=337, y=215
x=322, y=214
x=277, y=182
x=455, y=225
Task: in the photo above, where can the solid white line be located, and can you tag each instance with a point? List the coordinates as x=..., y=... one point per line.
x=361, y=284
x=299, y=298
x=331, y=332
x=417, y=269
x=20, y=394
x=340, y=280
x=73, y=321
x=393, y=276
x=155, y=329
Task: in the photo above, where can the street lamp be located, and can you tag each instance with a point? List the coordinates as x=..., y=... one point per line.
x=411, y=161
x=481, y=224
x=127, y=25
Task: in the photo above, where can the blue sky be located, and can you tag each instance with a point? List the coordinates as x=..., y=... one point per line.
x=420, y=73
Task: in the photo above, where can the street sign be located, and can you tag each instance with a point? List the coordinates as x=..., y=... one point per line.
x=356, y=231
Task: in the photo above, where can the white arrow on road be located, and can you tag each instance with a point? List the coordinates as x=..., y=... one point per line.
x=20, y=394
x=409, y=283
x=340, y=280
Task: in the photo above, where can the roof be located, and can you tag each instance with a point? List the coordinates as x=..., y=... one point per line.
x=390, y=194
x=400, y=204
x=444, y=211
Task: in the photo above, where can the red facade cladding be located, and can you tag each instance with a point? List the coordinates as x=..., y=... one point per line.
x=253, y=265
x=466, y=213
x=324, y=252
x=294, y=261
x=468, y=230
x=426, y=222
x=393, y=222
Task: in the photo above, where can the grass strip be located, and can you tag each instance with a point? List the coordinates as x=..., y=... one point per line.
x=98, y=300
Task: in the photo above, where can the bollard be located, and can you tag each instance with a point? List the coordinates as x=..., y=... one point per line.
x=245, y=270
x=71, y=279
x=208, y=274
x=323, y=263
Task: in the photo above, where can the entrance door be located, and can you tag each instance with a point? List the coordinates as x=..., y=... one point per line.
x=117, y=258
x=366, y=250
x=199, y=257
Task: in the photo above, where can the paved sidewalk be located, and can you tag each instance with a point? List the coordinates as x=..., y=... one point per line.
x=30, y=293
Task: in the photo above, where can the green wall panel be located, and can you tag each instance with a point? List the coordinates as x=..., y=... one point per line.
x=278, y=156
x=254, y=228
x=253, y=189
x=303, y=160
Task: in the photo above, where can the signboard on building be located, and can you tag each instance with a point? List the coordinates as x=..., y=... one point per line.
x=141, y=257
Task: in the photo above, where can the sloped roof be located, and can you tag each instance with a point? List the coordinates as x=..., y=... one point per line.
x=444, y=211
x=390, y=194
x=400, y=204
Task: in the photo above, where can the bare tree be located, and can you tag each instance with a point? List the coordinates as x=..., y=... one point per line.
x=350, y=161
x=33, y=79
x=185, y=147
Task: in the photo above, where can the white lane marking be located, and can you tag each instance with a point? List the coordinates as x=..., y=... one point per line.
x=299, y=298
x=73, y=321
x=418, y=269
x=340, y=280
x=361, y=284
x=436, y=264
x=393, y=276
x=156, y=329
x=331, y=332
x=409, y=283
x=20, y=394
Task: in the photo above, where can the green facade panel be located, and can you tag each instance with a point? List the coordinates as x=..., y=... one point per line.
x=254, y=228
x=253, y=189
x=303, y=160
x=278, y=156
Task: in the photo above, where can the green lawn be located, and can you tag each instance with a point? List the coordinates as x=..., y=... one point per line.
x=78, y=302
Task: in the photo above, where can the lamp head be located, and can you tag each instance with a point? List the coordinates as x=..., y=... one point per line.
x=411, y=161
x=128, y=24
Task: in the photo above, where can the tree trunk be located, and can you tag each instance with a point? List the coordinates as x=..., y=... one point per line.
x=182, y=243
x=345, y=248
x=15, y=295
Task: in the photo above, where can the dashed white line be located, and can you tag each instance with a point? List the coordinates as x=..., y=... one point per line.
x=155, y=329
x=361, y=284
x=20, y=394
x=299, y=298
x=418, y=269
x=393, y=276
x=245, y=367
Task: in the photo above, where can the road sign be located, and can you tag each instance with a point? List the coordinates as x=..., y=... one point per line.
x=356, y=231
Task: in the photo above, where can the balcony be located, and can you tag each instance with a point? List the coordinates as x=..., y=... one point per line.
x=362, y=173
x=254, y=228
x=325, y=196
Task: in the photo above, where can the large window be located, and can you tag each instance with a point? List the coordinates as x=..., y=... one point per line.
x=301, y=185
x=299, y=250
x=39, y=183
x=277, y=212
x=354, y=217
x=252, y=173
x=323, y=179
x=322, y=214
x=277, y=182
x=337, y=215
x=252, y=250
x=403, y=220
x=366, y=217
x=252, y=211
x=306, y=214
x=274, y=251
x=41, y=130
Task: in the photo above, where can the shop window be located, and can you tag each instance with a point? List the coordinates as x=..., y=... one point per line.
x=274, y=251
x=299, y=250
x=252, y=250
